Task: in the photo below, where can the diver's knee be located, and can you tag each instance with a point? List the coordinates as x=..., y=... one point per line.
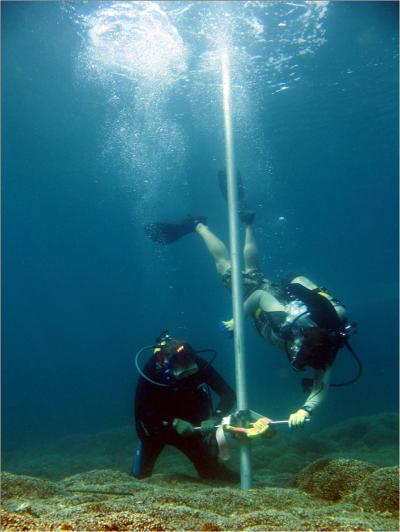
x=201, y=228
x=223, y=266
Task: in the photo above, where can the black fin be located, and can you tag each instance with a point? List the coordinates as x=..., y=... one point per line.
x=223, y=187
x=166, y=233
x=246, y=215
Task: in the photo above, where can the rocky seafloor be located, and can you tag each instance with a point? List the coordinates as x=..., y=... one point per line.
x=342, y=478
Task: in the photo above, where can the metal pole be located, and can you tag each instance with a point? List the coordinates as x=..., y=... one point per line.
x=234, y=241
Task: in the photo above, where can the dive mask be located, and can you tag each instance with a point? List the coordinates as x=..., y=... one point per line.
x=175, y=360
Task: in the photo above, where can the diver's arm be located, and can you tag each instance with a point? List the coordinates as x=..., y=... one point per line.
x=317, y=395
x=226, y=395
x=263, y=300
x=319, y=390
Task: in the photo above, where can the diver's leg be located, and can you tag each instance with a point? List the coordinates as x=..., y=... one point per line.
x=263, y=300
x=146, y=453
x=204, y=457
x=216, y=247
x=270, y=316
x=250, y=251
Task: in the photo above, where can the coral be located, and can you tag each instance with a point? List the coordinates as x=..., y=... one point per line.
x=332, y=479
x=379, y=491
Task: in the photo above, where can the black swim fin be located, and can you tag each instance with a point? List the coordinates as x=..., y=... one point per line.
x=166, y=233
x=245, y=214
x=224, y=189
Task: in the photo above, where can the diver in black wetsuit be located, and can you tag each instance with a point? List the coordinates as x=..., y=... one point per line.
x=172, y=397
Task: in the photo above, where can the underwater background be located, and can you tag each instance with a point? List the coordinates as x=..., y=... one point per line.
x=111, y=119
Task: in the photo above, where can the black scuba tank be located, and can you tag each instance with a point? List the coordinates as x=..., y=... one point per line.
x=320, y=308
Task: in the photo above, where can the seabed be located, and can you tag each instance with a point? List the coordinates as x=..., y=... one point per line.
x=341, y=478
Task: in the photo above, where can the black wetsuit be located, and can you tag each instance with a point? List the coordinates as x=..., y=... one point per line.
x=156, y=407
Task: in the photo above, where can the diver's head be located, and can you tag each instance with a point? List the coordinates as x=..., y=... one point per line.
x=175, y=359
x=314, y=347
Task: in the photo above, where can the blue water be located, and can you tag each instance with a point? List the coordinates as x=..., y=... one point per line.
x=104, y=132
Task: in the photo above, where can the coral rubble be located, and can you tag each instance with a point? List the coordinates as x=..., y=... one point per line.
x=332, y=479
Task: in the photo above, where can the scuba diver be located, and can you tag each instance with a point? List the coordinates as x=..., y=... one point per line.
x=296, y=316
x=172, y=398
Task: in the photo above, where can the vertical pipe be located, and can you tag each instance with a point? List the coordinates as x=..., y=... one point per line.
x=234, y=241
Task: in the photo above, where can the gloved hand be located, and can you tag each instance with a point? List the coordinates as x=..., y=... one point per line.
x=298, y=419
x=182, y=427
x=209, y=423
x=227, y=327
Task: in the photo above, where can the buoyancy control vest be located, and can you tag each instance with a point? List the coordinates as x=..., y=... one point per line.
x=305, y=299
